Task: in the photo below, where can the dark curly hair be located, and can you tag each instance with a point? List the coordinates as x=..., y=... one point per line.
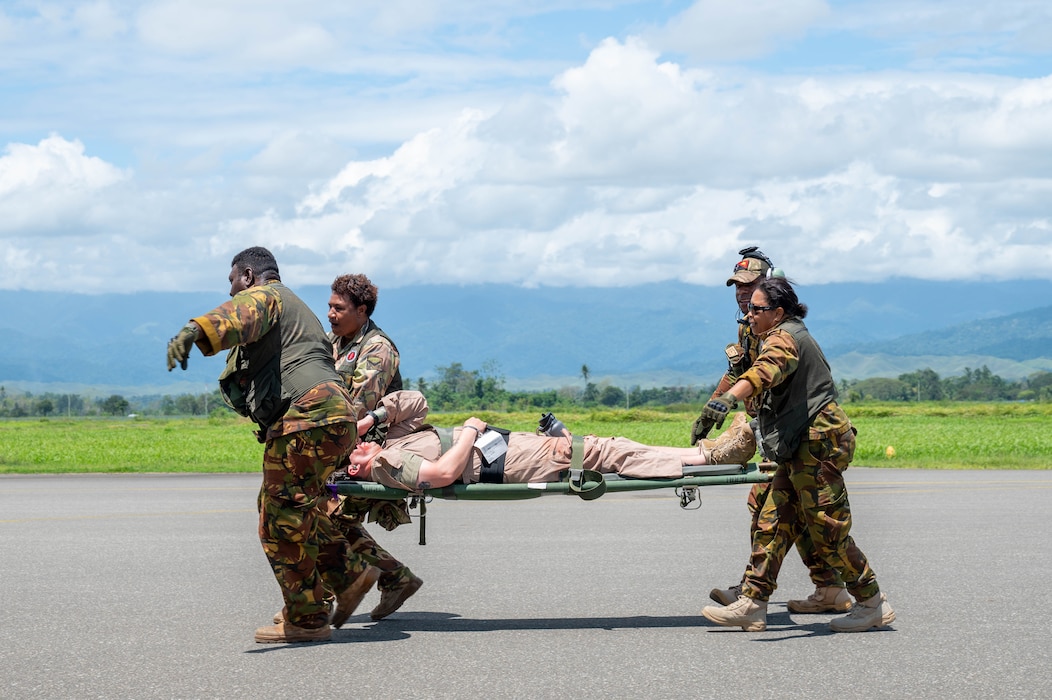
x=781, y=295
x=358, y=289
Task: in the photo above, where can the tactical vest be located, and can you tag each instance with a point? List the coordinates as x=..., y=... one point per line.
x=787, y=410
x=371, y=329
x=263, y=378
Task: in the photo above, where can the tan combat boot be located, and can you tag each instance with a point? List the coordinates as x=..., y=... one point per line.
x=736, y=445
x=392, y=599
x=280, y=616
x=726, y=596
x=872, y=612
x=286, y=633
x=824, y=599
x=749, y=614
x=349, y=600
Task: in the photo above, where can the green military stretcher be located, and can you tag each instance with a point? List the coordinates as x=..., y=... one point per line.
x=584, y=483
x=587, y=485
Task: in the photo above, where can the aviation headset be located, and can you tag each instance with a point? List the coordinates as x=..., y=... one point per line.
x=755, y=253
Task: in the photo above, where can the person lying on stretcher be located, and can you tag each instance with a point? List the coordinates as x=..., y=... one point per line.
x=413, y=456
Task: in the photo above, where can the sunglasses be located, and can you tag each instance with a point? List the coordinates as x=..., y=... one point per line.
x=753, y=308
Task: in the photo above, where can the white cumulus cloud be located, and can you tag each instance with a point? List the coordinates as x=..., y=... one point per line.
x=52, y=185
x=725, y=30
x=353, y=137
x=638, y=170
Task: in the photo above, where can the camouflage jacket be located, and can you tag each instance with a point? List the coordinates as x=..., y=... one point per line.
x=775, y=364
x=370, y=370
x=245, y=319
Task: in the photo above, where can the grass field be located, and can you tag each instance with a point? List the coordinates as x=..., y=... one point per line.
x=926, y=436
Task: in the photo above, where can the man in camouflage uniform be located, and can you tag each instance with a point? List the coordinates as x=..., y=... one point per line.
x=830, y=595
x=280, y=373
x=368, y=361
x=806, y=432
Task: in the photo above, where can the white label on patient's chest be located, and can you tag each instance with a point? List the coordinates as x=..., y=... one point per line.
x=491, y=444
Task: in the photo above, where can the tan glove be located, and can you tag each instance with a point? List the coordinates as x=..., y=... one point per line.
x=179, y=346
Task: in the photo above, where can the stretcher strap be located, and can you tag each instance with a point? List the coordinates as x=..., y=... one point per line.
x=493, y=472
x=586, y=483
x=445, y=438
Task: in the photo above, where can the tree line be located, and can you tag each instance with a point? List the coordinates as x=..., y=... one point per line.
x=455, y=388
x=458, y=389
x=926, y=385
x=49, y=404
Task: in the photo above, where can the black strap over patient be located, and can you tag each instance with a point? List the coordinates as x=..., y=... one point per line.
x=490, y=472
x=493, y=472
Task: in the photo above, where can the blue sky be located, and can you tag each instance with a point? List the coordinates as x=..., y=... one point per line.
x=598, y=143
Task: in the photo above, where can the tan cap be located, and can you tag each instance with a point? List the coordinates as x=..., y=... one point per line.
x=747, y=271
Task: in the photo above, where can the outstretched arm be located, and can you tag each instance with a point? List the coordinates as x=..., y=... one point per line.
x=450, y=466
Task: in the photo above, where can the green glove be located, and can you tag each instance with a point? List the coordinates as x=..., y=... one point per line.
x=179, y=346
x=701, y=429
x=717, y=409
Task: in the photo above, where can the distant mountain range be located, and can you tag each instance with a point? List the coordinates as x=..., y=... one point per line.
x=654, y=335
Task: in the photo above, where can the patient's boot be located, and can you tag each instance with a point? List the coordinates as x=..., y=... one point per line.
x=551, y=426
x=736, y=445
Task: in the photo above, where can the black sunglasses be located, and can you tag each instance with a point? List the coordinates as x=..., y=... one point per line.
x=753, y=308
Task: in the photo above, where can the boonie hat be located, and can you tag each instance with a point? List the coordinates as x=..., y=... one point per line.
x=751, y=267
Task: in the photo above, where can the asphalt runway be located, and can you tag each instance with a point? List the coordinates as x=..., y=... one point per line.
x=151, y=586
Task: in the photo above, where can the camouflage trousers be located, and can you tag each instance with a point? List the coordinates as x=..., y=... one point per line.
x=312, y=561
x=821, y=574
x=393, y=573
x=808, y=494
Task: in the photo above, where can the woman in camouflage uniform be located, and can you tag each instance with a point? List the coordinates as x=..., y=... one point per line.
x=803, y=429
x=830, y=594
